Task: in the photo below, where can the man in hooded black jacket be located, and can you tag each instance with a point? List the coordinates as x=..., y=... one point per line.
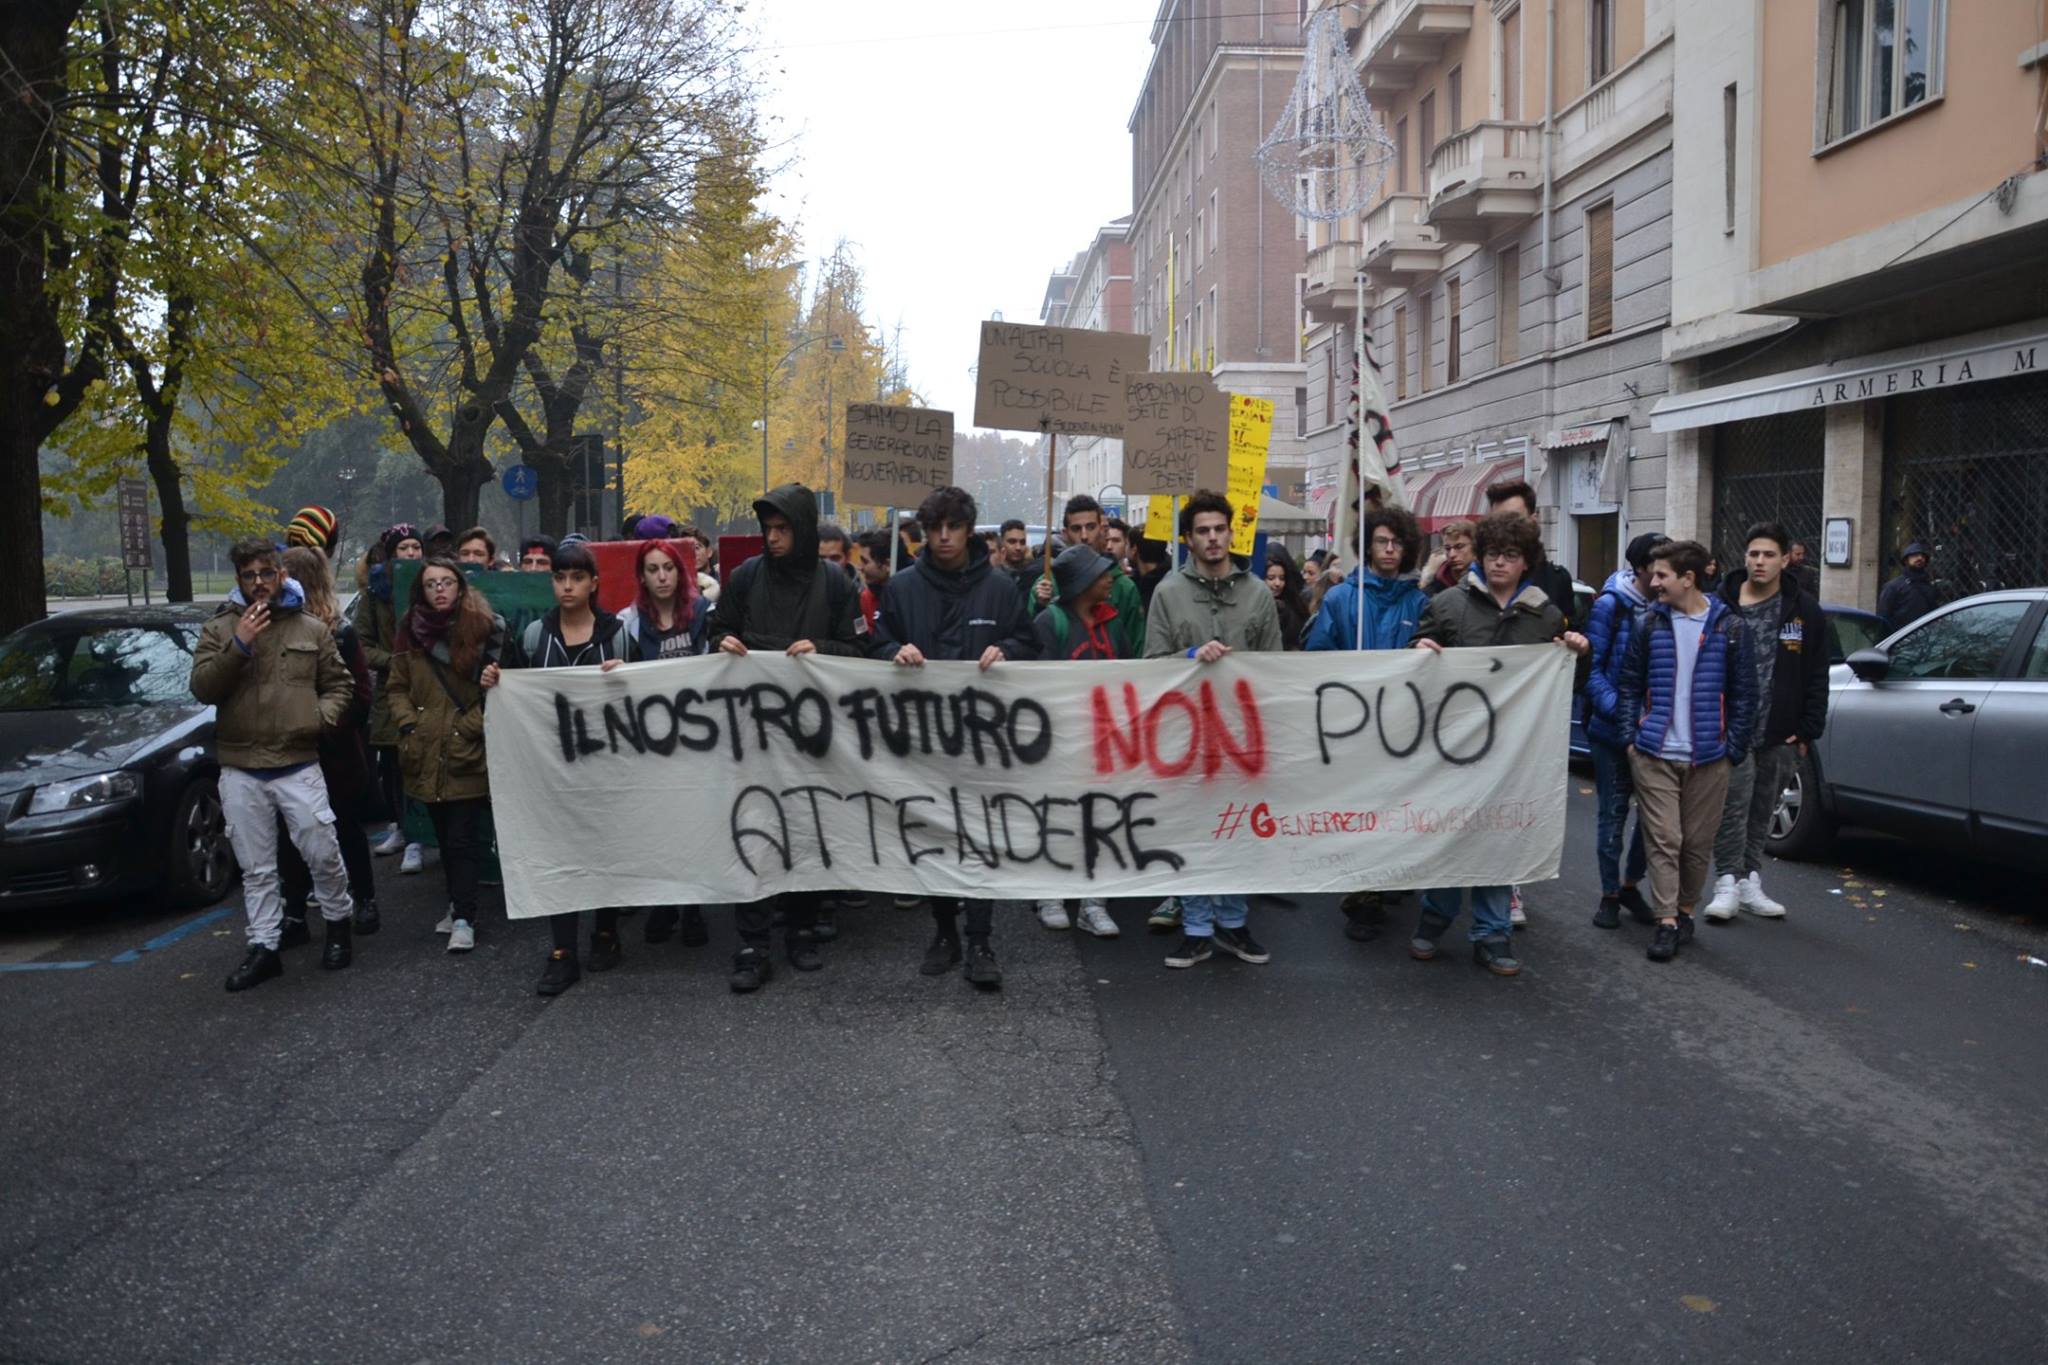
x=954, y=604
x=785, y=599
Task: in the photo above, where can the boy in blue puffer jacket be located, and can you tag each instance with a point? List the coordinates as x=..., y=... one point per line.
x=1687, y=703
x=1616, y=613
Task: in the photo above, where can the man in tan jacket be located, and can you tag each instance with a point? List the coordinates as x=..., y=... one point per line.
x=275, y=679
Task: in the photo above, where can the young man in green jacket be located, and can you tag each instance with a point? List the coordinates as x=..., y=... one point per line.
x=275, y=680
x=1084, y=525
x=1210, y=608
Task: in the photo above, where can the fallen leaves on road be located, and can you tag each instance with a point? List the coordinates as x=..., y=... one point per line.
x=1698, y=1303
x=1971, y=965
x=649, y=1331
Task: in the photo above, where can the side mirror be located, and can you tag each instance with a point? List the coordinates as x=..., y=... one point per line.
x=1871, y=665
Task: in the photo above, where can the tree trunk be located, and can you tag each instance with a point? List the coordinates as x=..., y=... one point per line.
x=31, y=343
x=557, y=491
x=170, y=502
x=465, y=471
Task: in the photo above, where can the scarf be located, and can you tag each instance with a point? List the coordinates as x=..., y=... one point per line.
x=428, y=627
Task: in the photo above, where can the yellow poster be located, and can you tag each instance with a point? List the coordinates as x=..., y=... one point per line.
x=1159, y=518
x=1251, y=434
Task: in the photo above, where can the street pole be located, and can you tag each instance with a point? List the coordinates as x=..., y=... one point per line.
x=767, y=377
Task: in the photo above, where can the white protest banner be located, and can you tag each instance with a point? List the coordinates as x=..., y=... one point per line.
x=1176, y=434
x=723, y=778
x=895, y=455
x=1061, y=380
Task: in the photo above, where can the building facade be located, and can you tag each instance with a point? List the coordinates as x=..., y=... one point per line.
x=1859, y=331
x=1215, y=260
x=1093, y=292
x=1516, y=262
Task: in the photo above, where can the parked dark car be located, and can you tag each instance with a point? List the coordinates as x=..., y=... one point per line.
x=1938, y=732
x=108, y=782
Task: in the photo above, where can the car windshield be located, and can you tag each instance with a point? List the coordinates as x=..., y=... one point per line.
x=95, y=663
x=1847, y=634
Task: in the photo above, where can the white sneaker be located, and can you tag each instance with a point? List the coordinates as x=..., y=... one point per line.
x=1053, y=915
x=1515, y=915
x=1722, y=906
x=447, y=924
x=391, y=843
x=461, y=938
x=413, y=860
x=1750, y=893
x=1095, y=919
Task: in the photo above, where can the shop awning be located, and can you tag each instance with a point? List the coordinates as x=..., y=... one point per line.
x=1461, y=491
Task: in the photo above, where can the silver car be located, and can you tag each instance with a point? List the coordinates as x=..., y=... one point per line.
x=1938, y=733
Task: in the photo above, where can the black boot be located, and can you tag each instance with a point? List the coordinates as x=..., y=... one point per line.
x=1365, y=914
x=258, y=967
x=340, y=945
x=827, y=925
x=661, y=923
x=752, y=969
x=695, y=932
x=368, y=919
x=802, y=950
x=293, y=931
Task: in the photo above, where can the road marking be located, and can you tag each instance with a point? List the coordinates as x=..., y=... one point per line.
x=132, y=955
x=44, y=966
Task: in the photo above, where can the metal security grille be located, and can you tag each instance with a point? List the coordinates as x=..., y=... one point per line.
x=1966, y=471
x=1768, y=469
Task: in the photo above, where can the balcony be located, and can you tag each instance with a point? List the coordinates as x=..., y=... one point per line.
x=1403, y=36
x=1400, y=245
x=1632, y=103
x=1331, y=293
x=1485, y=180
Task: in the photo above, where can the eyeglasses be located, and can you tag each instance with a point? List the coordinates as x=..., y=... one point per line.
x=438, y=584
x=1503, y=555
x=257, y=575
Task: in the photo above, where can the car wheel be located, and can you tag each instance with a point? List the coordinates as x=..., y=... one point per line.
x=1799, y=827
x=199, y=862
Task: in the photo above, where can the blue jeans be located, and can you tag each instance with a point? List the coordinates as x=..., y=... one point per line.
x=1615, y=784
x=1199, y=915
x=1489, y=908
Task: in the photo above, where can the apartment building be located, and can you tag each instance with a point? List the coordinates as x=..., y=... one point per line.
x=1516, y=262
x=1215, y=260
x=1093, y=291
x=1859, y=330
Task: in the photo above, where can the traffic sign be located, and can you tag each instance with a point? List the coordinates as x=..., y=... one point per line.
x=133, y=501
x=521, y=481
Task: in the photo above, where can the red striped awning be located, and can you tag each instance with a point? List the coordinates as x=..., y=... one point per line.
x=1462, y=494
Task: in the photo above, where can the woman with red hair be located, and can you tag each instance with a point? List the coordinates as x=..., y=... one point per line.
x=668, y=621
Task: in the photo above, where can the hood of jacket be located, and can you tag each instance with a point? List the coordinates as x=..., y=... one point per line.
x=290, y=597
x=1528, y=597
x=1375, y=587
x=1623, y=582
x=954, y=581
x=800, y=506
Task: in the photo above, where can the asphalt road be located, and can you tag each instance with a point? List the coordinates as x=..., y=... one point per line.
x=1815, y=1140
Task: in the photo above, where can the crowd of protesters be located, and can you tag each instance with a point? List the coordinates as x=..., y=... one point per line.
x=344, y=737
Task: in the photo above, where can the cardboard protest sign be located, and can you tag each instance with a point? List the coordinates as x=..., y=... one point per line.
x=1159, y=519
x=1260, y=773
x=1062, y=380
x=1251, y=436
x=1176, y=433
x=895, y=455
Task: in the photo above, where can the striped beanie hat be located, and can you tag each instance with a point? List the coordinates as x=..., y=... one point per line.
x=313, y=526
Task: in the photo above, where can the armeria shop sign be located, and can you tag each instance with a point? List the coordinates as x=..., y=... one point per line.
x=1946, y=366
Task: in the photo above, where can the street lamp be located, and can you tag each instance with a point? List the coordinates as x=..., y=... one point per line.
x=832, y=343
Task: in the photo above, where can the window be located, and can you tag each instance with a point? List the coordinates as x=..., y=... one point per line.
x=1599, y=270
x=1728, y=159
x=1212, y=130
x=1195, y=341
x=1300, y=413
x=1425, y=120
x=1301, y=186
x=1454, y=99
x=2035, y=665
x=1425, y=343
x=1400, y=353
x=1401, y=155
x=1330, y=384
x=1200, y=149
x=1968, y=643
x=1511, y=66
x=1210, y=338
x=1885, y=56
x=1201, y=240
x=1508, y=306
x=1599, y=40
x=1212, y=222
x=1455, y=321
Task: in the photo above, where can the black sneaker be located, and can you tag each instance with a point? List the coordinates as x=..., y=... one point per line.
x=851, y=900
x=1608, y=916
x=1428, y=929
x=827, y=926
x=1664, y=943
x=1191, y=950
x=1240, y=944
x=942, y=956
x=1685, y=930
x=802, y=951
x=293, y=932
x=1365, y=915
x=751, y=970
x=1497, y=955
x=340, y=949
x=368, y=918
x=910, y=902
x=661, y=923
x=258, y=967
x=1638, y=909
x=695, y=933
x=982, y=970
x=561, y=972
x=604, y=951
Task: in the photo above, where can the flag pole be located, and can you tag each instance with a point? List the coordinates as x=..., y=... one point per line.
x=1052, y=462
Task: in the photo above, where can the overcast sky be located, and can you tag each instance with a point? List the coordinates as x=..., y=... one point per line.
x=963, y=150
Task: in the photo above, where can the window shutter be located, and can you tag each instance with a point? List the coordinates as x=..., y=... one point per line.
x=1600, y=271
